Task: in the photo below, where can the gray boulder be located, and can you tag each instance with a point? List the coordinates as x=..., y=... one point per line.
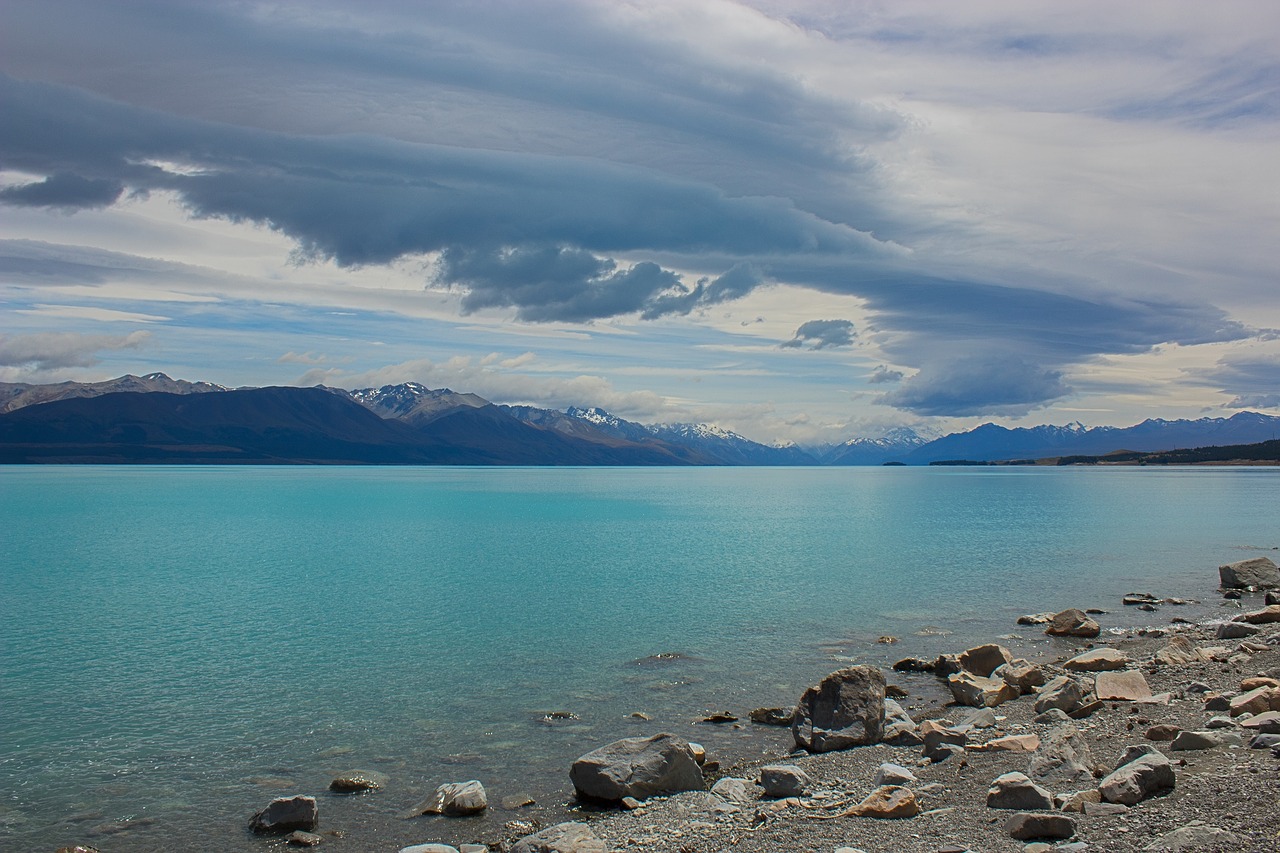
x=899, y=728
x=941, y=742
x=1022, y=674
x=637, y=767
x=1259, y=573
x=561, y=838
x=846, y=709
x=1064, y=693
x=893, y=774
x=734, y=790
x=1235, y=630
x=1016, y=791
x=1187, y=740
x=784, y=780
x=1193, y=837
x=285, y=814
x=1137, y=779
x=1063, y=759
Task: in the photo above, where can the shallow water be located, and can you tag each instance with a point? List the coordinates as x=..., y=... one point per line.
x=182, y=644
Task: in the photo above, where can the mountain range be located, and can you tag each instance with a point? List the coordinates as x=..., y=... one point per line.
x=156, y=419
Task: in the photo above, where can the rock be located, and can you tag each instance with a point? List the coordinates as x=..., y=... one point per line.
x=1063, y=759
x=1051, y=715
x=1077, y=801
x=357, y=781
x=1193, y=838
x=846, y=709
x=983, y=660
x=1265, y=741
x=473, y=848
x=1254, y=682
x=893, y=774
x=983, y=718
x=1259, y=573
x=1214, y=702
x=1012, y=743
x=1016, y=791
x=1025, y=826
x=1138, y=779
x=429, y=848
x=455, y=799
x=1179, y=651
x=1162, y=732
x=79, y=848
x=893, y=691
x=936, y=738
x=1268, y=615
x=888, y=802
x=1195, y=740
x=1255, y=702
x=1136, y=598
x=298, y=838
x=1272, y=598
x=970, y=689
x=913, y=665
x=1064, y=693
x=637, y=767
x=630, y=803
x=511, y=802
x=1098, y=660
x=1072, y=623
x=899, y=728
x=1125, y=686
x=561, y=838
x=784, y=780
x=947, y=665
x=772, y=716
x=734, y=790
x=699, y=753
x=1021, y=674
x=1235, y=631
x=719, y=717
x=1221, y=722
x=1035, y=619
x=1104, y=809
x=1267, y=722
x=1088, y=709
x=285, y=814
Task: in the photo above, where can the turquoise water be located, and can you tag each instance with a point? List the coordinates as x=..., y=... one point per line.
x=182, y=644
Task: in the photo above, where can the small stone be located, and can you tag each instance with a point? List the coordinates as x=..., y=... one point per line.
x=1235, y=631
x=1195, y=740
x=430, y=848
x=298, y=838
x=357, y=781
x=1072, y=623
x=1258, y=681
x=1162, y=732
x=454, y=799
x=1104, y=809
x=1012, y=743
x=472, y=848
x=888, y=802
x=1097, y=660
x=1024, y=675
x=1267, y=722
x=562, y=838
x=1035, y=619
x=893, y=774
x=720, y=717
x=784, y=780
x=511, y=802
x=1025, y=826
x=1051, y=715
x=1077, y=801
x=772, y=716
x=983, y=718
x=913, y=665
x=983, y=660
x=887, y=640
x=1194, y=837
x=733, y=790
x=1178, y=652
x=1016, y=791
x=629, y=803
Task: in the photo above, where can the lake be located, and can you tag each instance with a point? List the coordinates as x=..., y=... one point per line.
x=180, y=645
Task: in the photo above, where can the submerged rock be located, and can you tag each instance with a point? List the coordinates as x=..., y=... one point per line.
x=285, y=814
x=357, y=781
x=1072, y=623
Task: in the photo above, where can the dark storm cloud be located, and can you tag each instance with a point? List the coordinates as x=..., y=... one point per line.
x=64, y=190
x=51, y=350
x=986, y=384
x=882, y=375
x=737, y=282
x=820, y=334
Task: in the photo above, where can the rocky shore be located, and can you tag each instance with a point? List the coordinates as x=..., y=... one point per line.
x=1160, y=738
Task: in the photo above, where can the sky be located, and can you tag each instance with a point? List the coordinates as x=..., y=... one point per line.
x=803, y=221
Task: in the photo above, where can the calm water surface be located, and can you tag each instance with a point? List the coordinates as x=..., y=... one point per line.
x=179, y=645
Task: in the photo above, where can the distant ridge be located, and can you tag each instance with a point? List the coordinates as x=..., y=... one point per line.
x=155, y=418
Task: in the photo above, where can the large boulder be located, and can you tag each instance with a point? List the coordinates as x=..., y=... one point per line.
x=979, y=692
x=1022, y=674
x=561, y=838
x=1268, y=615
x=1016, y=791
x=1259, y=573
x=784, y=780
x=899, y=728
x=1072, y=623
x=1143, y=773
x=846, y=709
x=637, y=767
x=1256, y=701
x=285, y=814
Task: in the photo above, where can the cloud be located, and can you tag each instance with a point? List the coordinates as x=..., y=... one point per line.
x=820, y=334
x=978, y=385
x=1254, y=380
x=51, y=350
x=65, y=191
x=882, y=375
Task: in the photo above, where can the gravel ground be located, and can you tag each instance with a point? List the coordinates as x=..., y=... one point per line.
x=1235, y=789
